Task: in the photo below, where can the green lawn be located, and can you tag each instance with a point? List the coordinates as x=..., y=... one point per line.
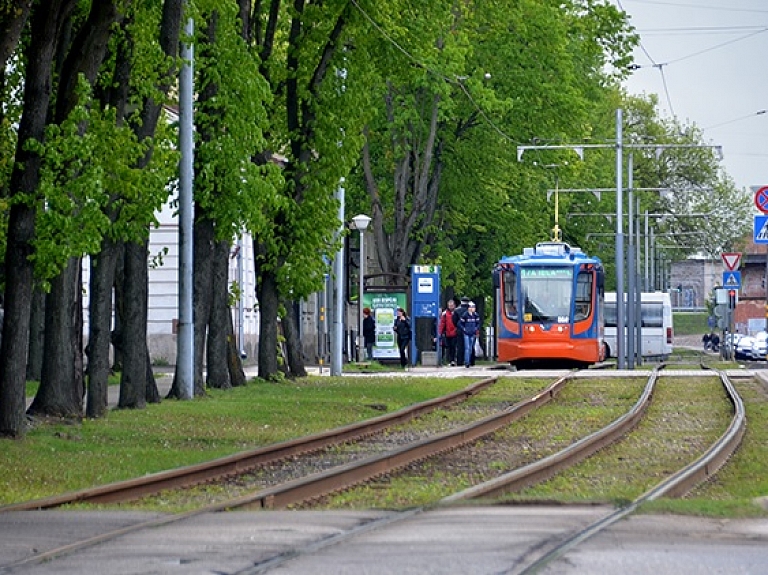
x=58, y=456
x=690, y=323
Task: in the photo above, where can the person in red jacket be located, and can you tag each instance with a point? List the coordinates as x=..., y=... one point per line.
x=448, y=332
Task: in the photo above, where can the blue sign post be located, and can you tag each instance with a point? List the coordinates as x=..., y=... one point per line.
x=732, y=280
x=425, y=311
x=761, y=229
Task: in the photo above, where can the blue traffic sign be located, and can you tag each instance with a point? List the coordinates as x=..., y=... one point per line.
x=732, y=280
x=761, y=229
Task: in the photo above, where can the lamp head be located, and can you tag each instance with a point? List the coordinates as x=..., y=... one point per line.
x=361, y=222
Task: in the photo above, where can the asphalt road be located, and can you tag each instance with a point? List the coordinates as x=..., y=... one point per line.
x=461, y=540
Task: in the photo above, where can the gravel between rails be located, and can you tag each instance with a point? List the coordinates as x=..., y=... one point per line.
x=580, y=409
x=495, y=399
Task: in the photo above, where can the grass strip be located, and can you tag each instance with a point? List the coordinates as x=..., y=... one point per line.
x=57, y=457
x=582, y=407
x=685, y=417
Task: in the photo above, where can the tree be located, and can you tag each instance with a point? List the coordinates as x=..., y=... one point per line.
x=318, y=79
x=47, y=26
x=439, y=167
x=70, y=187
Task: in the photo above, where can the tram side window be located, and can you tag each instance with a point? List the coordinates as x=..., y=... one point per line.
x=510, y=294
x=583, y=303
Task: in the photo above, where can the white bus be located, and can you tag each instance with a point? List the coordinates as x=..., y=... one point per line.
x=655, y=325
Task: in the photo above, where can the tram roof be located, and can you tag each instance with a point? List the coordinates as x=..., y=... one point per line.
x=554, y=252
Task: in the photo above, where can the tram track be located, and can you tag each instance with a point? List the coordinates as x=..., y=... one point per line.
x=341, y=476
x=239, y=463
x=676, y=484
x=303, y=488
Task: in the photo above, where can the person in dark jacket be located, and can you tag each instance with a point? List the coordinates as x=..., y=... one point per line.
x=402, y=328
x=369, y=332
x=457, y=314
x=469, y=327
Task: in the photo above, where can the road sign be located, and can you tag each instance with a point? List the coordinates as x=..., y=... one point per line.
x=731, y=260
x=760, y=229
x=732, y=280
x=721, y=309
x=761, y=198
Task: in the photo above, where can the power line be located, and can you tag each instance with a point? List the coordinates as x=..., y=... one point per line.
x=702, y=30
x=758, y=113
x=700, y=6
x=655, y=65
x=715, y=47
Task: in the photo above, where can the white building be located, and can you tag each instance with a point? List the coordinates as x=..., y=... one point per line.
x=164, y=291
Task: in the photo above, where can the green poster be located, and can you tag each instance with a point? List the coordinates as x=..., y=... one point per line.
x=383, y=309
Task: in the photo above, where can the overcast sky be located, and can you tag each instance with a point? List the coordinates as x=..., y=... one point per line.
x=708, y=62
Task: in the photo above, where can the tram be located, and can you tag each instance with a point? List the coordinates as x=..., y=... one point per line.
x=549, y=307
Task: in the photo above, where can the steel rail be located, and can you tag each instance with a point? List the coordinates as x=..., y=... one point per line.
x=345, y=476
x=676, y=485
x=131, y=489
x=546, y=468
x=326, y=482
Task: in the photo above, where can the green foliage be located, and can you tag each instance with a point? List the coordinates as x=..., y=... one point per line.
x=549, y=67
x=228, y=185
x=88, y=172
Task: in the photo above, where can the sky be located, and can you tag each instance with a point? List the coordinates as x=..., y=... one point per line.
x=707, y=60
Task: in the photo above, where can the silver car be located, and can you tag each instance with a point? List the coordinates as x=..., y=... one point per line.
x=744, y=347
x=759, y=346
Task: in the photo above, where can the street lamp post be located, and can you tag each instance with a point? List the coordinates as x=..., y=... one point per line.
x=361, y=222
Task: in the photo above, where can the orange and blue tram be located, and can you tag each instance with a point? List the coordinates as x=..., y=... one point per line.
x=549, y=307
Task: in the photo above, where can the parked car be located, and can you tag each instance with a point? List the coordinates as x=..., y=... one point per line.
x=744, y=347
x=759, y=346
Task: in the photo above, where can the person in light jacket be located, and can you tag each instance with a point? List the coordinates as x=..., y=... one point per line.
x=469, y=327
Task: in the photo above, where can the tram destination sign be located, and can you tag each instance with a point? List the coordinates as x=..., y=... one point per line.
x=546, y=272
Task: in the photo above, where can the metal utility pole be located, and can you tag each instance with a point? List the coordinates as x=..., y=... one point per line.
x=185, y=352
x=632, y=292
x=620, y=323
x=338, y=305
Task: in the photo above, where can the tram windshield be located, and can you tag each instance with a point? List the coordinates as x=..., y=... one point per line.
x=547, y=293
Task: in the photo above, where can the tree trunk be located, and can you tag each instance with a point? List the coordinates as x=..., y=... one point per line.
x=266, y=292
x=116, y=337
x=36, y=336
x=220, y=319
x=134, y=330
x=100, y=325
x=134, y=333
x=61, y=389
x=18, y=302
x=201, y=303
x=151, y=393
x=234, y=361
x=12, y=20
x=46, y=21
x=290, y=325
x=65, y=335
